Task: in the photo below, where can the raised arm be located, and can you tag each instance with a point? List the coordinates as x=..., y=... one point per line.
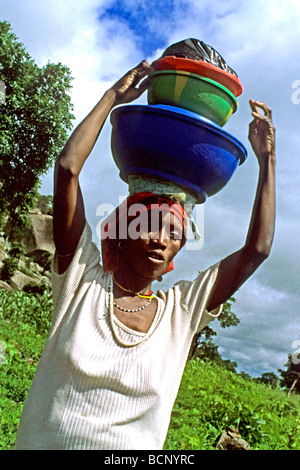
x=238, y=267
x=69, y=213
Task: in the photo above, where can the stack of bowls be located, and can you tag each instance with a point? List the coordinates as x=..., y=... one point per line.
x=195, y=85
x=178, y=136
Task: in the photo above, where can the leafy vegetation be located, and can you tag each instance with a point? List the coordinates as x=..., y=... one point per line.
x=11, y=263
x=8, y=269
x=35, y=117
x=291, y=376
x=203, y=346
x=24, y=324
x=210, y=398
x=23, y=347
x=45, y=204
x=33, y=309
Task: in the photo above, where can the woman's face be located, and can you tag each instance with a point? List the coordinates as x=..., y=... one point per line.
x=150, y=253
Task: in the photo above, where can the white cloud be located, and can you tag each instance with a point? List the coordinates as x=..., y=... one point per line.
x=267, y=329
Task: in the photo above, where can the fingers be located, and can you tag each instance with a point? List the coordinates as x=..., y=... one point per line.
x=262, y=121
x=261, y=129
x=141, y=70
x=141, y=80
x=132, y=84
x=144, y=65
x=257, y=105
x=136, y=76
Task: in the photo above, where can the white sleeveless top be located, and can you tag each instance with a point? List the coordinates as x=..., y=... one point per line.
x=98, y=387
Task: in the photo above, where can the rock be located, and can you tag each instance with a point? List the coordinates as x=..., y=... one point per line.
x=19, y=280
x=36, y=210
x=39, y=238
x=4, y=285
x=39, y=244
x=3, y=255
x=230, y=439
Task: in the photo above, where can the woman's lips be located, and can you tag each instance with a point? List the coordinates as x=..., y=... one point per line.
x=156, y=257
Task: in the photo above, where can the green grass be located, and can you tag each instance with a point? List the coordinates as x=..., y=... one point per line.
x=23, y=347
x=24, y=323
x=210, y=398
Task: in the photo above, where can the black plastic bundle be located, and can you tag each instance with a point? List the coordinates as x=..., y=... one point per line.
x=198, y=50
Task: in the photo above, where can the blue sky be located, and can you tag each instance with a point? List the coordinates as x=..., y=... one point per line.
x=140, y=19
x=99, y=40
x=153, y=22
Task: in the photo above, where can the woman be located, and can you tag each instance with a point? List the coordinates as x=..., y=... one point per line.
x=112, y=365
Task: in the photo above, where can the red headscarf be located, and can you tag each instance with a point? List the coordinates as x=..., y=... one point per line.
x=110, y=226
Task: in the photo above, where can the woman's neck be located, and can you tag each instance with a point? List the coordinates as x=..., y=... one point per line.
x=128, y=282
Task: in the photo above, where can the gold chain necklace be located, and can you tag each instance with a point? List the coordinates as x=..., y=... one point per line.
x=143, y=296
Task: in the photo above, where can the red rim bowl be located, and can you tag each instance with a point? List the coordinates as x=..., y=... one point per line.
x=200, y=67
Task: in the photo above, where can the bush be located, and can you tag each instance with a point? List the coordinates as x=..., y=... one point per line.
x=18, y=250
x=45, y=204
x=10, y=265
x=31, y=309
x=36, y=289
x=45, y=261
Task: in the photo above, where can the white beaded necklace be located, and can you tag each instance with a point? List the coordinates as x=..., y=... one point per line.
x=133, y=310
x=112, y=321
x=138, y=294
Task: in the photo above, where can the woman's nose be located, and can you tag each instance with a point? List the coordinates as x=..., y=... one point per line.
x=160, y=237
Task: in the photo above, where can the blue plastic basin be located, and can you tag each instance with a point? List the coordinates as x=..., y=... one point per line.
x=176, y=145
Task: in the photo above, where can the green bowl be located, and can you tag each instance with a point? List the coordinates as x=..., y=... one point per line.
x=189, y=91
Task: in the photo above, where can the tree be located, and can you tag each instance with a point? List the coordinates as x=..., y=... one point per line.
x=45, y=204
x=202, y=344
x=290, y=378
x=268, y=378
x=35, y=116
x=208, y=351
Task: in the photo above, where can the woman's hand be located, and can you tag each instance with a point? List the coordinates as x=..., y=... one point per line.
x=261, y=130
x=132, y=84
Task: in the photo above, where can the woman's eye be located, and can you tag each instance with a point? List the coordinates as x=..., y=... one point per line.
x=175, y=235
